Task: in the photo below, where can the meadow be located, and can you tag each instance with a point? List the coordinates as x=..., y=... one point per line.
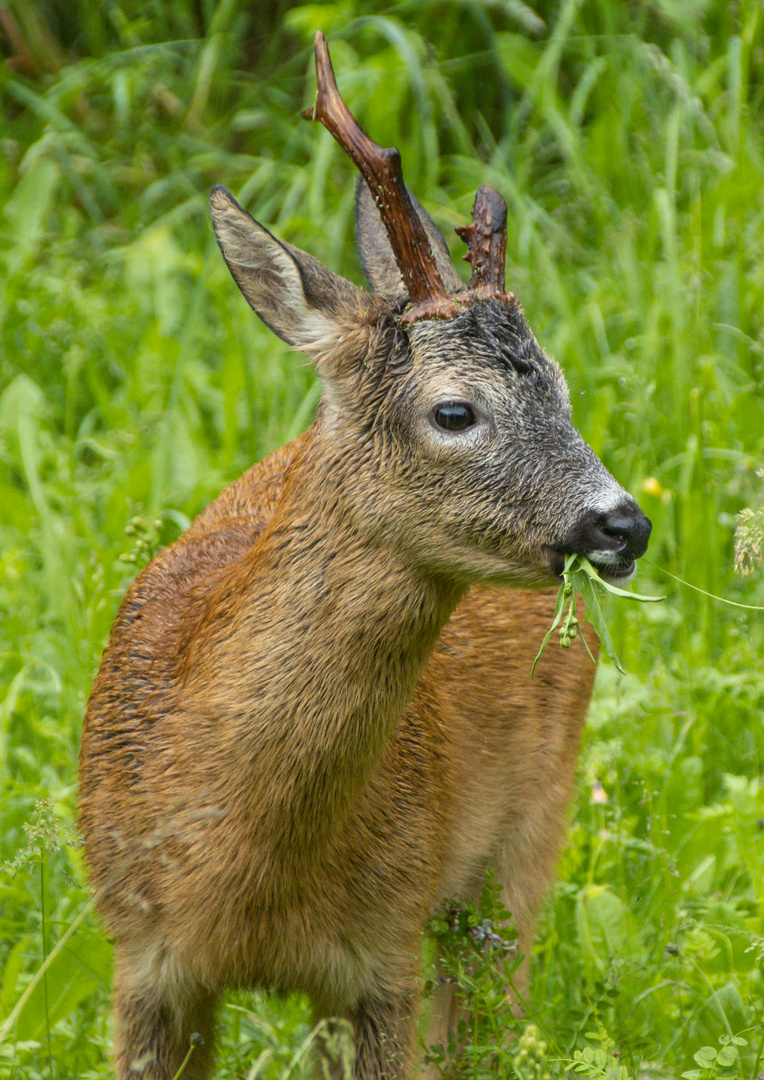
x=628, y=140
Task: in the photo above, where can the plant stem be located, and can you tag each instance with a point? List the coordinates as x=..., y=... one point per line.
x=712, y=596
x=44, y=958
x=184, y=1062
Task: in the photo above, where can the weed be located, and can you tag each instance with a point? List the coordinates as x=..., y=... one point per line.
x=716, y=1063
x=477, y=957
x=749, y=538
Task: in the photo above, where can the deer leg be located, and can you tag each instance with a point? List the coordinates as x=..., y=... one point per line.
x=525, y=870
x=446, y=1010
x=155, y=1030
x=383, y=1035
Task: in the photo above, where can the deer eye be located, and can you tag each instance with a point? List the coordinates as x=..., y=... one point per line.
x=453, y=416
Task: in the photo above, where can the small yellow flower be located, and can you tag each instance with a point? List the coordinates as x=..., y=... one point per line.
x=653, y=487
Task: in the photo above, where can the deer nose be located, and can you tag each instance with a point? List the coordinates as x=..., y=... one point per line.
x=625, y=531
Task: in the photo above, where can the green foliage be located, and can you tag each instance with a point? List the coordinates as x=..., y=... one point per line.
x=478, y=956
x=714, y=1063
x=530, y=1061
x=629, y=142
x=579, y=576
x=599, y=1062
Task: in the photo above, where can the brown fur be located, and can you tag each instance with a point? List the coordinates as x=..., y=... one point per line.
x=314, y=723
x=478, y=771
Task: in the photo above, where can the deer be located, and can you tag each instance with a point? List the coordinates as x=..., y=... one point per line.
x=314, y=725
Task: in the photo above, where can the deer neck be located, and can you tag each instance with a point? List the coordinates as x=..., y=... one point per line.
x=326, y=632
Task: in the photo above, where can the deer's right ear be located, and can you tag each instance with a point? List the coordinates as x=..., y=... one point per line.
x=294, y=294
x=377, y=257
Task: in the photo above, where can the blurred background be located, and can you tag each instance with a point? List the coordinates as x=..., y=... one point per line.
x=628, y=139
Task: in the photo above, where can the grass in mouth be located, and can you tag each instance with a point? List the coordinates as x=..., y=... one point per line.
x=579, y=576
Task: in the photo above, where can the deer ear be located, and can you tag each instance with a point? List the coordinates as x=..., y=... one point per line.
x=377, y=259
x=294, y=294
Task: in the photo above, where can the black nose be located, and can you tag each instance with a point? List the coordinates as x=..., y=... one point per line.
x=622, y=531
x=626, y=530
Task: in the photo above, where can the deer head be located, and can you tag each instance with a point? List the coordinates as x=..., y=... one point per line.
x=445, y=430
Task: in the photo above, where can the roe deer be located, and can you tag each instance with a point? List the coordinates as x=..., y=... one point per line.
x=314, y=721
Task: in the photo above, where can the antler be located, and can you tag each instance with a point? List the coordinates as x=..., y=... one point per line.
x=381, y=169
x=487, y=241
x=382, y=172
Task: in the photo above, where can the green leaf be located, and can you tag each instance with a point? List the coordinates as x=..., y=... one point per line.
x=586, y=646
x=26, y=212
x=13, y=967
x=579, y=575
x=555, y=623
x=727, y=1056
x=597, y=619
x=705, y=1057
x=586, y=567
x=603, y=927
x=78, y=970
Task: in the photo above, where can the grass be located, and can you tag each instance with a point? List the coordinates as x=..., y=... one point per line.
x=629, y=142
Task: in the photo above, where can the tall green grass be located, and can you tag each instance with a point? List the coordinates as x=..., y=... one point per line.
x=628, y=140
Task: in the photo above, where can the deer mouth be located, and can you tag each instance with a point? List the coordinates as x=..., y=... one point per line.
x=612, y=540
x=609, y=567
x=620, y=572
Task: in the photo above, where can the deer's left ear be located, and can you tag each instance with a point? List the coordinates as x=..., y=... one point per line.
x=307, y=305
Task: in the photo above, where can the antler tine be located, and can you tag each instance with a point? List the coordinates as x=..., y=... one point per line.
x=381, y=169
x=487, y=240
